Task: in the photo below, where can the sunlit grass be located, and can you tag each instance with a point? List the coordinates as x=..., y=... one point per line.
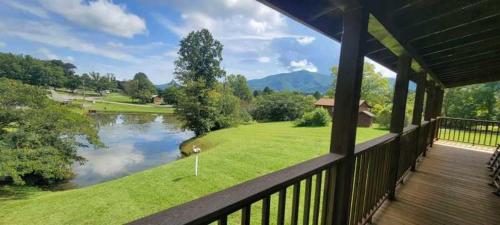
x=228, y=157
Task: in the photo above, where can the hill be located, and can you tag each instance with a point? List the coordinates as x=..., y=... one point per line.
x=303, y=81
x=166, y=85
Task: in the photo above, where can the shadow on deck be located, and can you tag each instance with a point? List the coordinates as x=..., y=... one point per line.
x=449, y=187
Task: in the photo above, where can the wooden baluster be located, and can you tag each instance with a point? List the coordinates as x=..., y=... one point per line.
x=281, y=207
x=307, y=201
x=317, y=198
x=266, y=206
x=295, y=203
x=222, y=221
x=245, y=215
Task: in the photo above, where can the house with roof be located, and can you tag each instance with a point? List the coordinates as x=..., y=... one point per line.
x=365, y=116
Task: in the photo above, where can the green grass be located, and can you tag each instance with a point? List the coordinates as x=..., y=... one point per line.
x=111, y=107
x=118, y=97
x=228, y=157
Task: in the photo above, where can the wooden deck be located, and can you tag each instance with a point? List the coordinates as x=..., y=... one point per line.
x=449, y=187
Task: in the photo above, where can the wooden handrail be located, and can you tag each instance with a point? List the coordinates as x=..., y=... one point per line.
x=475, y=120
x=214, y=206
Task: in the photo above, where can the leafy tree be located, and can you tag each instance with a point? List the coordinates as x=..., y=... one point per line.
x=267, y=90
x=239, y=85
x=73, y=82
x=38, y=137
x=316, y=118
x=197, y=69
x=317, y=95
x=170, y=94
x=140, y=88
x=281, y=106
x=480, y=101
x=256, y=93
x=200, y=56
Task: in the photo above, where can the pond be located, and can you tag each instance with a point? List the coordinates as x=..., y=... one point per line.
x=133, y=142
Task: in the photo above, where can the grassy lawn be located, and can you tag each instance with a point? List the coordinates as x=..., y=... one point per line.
x=229, y=157
x=111, y=107
x=118, y=97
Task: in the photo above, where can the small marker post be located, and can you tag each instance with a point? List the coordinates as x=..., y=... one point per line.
x=196, y=150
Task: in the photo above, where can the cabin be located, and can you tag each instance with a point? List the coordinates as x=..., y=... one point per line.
x=156, y=99
x=427, y=172
x=365, y=116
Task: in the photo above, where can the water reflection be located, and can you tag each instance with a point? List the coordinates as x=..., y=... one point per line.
x=134, y=142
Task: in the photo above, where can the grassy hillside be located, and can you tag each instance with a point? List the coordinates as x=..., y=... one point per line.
x=228, y=157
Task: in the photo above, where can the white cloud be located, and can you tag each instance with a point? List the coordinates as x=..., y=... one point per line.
x=101, y=15
x=34, y=10
x=302, y=65
x=305, y=40
x=264, y=59
x=2, y=44
x=58, y=36
x=45, y=53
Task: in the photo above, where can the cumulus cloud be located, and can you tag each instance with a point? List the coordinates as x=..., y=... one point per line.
x=226, y=19
x=2, y=44
x=34, y=10
x=305, y=40
x=264, y=59
x=303, y=64
x=58, y=36
x=101, y=15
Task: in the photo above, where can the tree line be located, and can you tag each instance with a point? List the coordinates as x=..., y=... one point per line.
x=58, y=74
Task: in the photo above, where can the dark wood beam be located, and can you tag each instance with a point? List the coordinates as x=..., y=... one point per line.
x=452, y=20
x=461, y=31
x=345, y=116
x=398, y=115
x=474, y=79
x=382, y=15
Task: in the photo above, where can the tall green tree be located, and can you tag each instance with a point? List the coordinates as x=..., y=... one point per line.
x=197, y=69
x=239, y=86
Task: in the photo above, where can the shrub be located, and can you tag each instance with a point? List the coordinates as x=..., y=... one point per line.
x=319, y=117
x=281, y=106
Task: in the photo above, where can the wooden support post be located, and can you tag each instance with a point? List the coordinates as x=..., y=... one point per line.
x=436, y=112
x=417, y=115
x=398, y=116
x=429, y=107
x=345, y=115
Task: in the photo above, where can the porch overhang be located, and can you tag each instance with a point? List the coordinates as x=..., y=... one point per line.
x=456, y=42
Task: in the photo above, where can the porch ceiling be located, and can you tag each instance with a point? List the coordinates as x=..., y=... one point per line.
x=456, y=42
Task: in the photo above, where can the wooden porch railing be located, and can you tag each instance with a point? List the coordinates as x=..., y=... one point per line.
x=296, y=195
x=475, y=132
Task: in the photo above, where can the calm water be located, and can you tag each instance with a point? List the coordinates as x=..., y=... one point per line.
x=134, y=142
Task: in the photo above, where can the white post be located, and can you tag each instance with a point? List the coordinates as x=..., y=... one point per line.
x=196, y=151
x=196, y=166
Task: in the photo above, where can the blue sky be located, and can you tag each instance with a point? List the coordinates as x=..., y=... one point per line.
x=126, y=37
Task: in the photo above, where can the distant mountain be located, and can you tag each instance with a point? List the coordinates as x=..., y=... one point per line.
x=166, y=85
x=303, y=81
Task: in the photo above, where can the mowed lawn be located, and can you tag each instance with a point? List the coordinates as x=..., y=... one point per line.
x=123, y=108
x=228, y=157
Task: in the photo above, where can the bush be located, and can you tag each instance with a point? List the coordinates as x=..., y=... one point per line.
x=319, y=117
x=281, y=106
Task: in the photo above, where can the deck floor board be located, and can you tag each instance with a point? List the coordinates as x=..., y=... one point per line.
x=449, y=187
